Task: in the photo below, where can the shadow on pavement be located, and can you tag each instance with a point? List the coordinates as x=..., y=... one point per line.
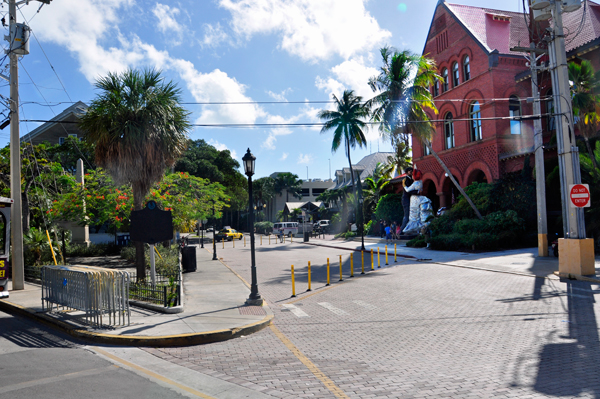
x=571, y=368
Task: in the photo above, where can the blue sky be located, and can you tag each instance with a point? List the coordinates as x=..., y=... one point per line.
x=227, y=51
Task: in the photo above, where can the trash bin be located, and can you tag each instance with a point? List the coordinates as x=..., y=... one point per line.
x=188, y=258
x=306, y=235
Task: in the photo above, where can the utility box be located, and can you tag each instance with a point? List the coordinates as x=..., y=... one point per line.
x=188, y=258
x=306, y=236
x=19, y=39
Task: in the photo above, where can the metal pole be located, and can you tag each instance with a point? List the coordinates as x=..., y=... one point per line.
x=214, y=236
x=540, y=174
x=255, y=298
x=18, y=268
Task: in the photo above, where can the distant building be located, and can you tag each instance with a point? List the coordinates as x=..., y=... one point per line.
x=58, y=128
x=362, y=169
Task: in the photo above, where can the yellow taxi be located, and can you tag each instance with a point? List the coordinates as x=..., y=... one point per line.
x=229, y=235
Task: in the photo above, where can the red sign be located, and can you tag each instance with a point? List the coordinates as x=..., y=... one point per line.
x=580, y=195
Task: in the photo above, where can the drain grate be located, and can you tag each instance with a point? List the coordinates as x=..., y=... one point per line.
x=252, y=310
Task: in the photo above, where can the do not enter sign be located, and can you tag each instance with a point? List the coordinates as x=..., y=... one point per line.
x=580, y=195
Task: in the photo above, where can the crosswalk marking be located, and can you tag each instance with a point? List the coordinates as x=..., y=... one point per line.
x=365, y=305
x=296, y=311
x=332, y=308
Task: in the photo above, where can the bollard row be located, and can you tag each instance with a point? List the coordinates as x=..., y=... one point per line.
x=341, y=271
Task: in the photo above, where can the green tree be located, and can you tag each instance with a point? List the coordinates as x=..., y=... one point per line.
x=347, y=122
x=372, y=189
x=290, y=183
x=402, y=98
x=139, y=129
x=585, y=87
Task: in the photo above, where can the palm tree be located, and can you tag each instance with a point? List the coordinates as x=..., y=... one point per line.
x=139, y=130
x=372, y=192
x=586, y=101
x=290, y=183
x=403, y=95
x=347, y=121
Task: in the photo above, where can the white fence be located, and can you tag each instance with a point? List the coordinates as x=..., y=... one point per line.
x=101, y=293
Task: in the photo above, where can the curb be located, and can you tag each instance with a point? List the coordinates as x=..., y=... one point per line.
x=132, y=340
x=578, y=277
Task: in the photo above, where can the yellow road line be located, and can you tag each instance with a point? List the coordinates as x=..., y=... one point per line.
x=329, y=384
x=153, y=374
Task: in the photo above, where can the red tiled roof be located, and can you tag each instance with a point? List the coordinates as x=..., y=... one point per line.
x=477, y=21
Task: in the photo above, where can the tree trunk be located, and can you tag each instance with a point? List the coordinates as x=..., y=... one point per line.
x=140, y=260
x=353, y=185
x=460, y=189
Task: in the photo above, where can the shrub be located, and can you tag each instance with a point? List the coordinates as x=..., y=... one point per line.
x=419, y=241
x=503, y=221
x=467, y=226
x=443, y=224
x=480, y=241
x=263, y=227
x=482, y=196
x=390, y=208
x=348, y=234
x=444, y=242
x=369, y=227
x=108, y=249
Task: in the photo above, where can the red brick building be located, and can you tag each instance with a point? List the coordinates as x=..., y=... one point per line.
x=486, y=82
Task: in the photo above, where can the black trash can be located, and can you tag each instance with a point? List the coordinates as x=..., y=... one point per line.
x=188, y=258
x=306, y=236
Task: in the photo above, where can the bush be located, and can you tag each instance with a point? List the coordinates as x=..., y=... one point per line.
x=390, y=208
x=443, y=224
x=467, y=226
x=346, y=235
x=445, y=242
x=263, y=227
x=109, y=249
x=419, y=241
x=369, y=227
x=166, y=264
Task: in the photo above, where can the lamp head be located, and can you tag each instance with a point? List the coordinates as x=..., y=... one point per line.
x=249, y=161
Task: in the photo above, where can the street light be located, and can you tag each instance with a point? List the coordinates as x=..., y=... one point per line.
x=214, y=233
x=204, y=221
x=255, y=298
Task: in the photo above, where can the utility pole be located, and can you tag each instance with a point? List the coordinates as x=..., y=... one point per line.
x=18, y=268
x=538, y=143
x=18, y=40
x=576, y=253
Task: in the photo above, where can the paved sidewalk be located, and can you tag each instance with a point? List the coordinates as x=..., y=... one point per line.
x=213, y=310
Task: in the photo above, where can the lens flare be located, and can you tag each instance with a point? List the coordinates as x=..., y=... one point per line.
x=402, y=7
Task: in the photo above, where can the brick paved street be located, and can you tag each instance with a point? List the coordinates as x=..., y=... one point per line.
x=410, y=330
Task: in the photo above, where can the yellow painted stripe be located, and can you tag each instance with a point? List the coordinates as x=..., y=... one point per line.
x=329, y=384
x=153, y=374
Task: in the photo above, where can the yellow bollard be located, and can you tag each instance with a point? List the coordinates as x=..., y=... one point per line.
x=395, y=253
x=362, y=255
x=386, y=257
x=351, y=265
x=269, y=239
x=328, y=281
x=293, y=283
x=244, y=241
x=51, y=249
x=308, y=277
x=233, y=242
x=372, y=260
x=378, y=259
x=341, y=279
x=223, y=243
x=261, y=239
x=292, y=239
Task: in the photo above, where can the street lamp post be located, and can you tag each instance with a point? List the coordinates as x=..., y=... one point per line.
x=204, y=221
x=214, y=238
x=255, y=298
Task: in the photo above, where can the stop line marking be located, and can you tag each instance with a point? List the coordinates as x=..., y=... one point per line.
x=296, y=311
x=332, y=308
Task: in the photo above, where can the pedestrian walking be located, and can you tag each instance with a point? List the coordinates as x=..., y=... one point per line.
x=381, y=231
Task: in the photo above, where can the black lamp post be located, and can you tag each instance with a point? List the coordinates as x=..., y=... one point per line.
x=255, y=298
x=214, y=238
x=361, y=201
x=204, y=221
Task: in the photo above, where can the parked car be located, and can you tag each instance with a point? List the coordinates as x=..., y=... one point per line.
x=322, y=225
x=289, y=228
x=229, y=235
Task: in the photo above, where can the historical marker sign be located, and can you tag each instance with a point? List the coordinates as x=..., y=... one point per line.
x=580, y=195
x=151, y=225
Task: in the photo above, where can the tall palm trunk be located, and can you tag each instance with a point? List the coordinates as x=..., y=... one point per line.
x=590, y=152
x=140, y=260
x=460, y=189
x=351, y=177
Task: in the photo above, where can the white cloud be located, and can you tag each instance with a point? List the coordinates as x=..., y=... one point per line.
x=213, y=35
x=279, y=96
x=307, y=114
x=284, y=156
x=222, y=147
x=352, y=74
x=167, y=21
x=310, y=29
x=305, y=159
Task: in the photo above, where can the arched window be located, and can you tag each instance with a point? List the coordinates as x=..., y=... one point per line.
x=436, y=88
x=475, y=121
x=550, y=119
x=455, y=75
x=466, y=68
x=449, y=130
x=445, y=76
x=514, y=111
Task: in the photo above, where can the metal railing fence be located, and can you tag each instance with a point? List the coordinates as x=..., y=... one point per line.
x=100, y=293
x=165, y=292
